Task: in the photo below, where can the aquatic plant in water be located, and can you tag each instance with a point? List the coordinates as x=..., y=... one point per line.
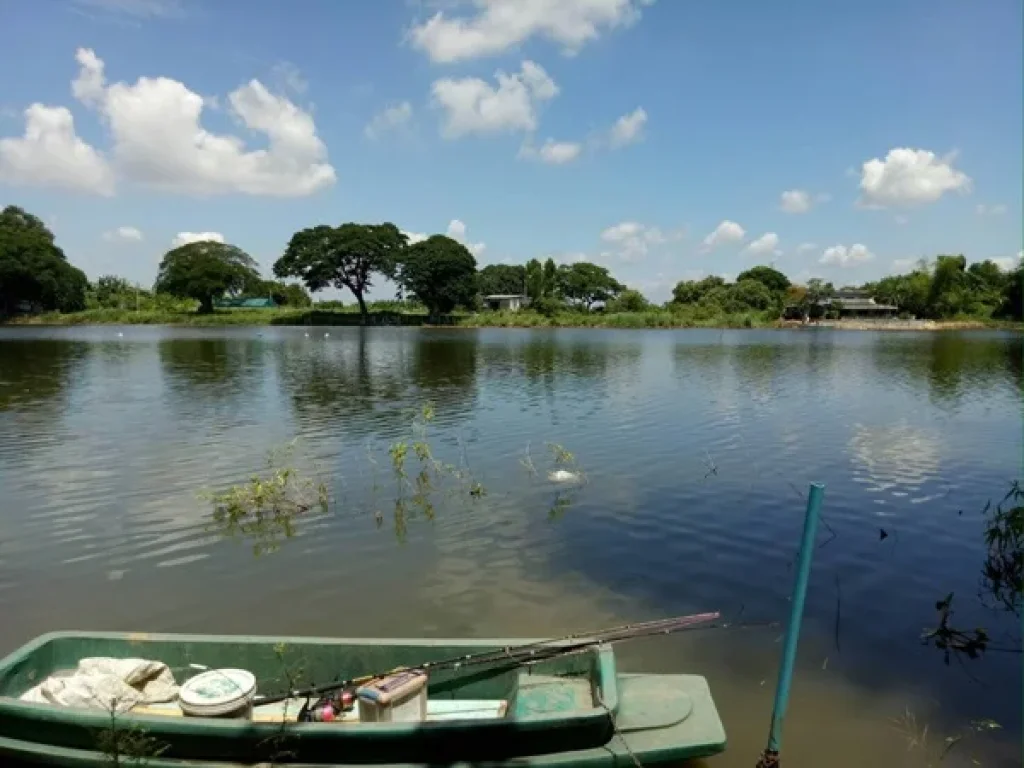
x=266, y=507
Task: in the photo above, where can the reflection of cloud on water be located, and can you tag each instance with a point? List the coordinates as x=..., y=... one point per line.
x=895, y=460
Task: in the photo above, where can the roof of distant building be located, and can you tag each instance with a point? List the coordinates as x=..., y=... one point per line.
x=497, y=296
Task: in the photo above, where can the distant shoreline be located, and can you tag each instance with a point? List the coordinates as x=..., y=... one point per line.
x=651, y=320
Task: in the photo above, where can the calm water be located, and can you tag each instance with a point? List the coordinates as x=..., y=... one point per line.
x=697, y=447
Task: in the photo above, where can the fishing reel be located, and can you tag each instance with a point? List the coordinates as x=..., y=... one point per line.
x=328, y=708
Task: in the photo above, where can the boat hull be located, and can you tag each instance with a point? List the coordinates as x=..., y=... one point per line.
x=654, y=717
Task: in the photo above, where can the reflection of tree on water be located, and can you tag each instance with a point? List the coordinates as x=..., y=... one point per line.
x=953, y=365
x=221, y=368
x=33, y=372
x=368, y=379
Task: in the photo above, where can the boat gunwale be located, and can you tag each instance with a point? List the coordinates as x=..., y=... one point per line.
x=604, y=679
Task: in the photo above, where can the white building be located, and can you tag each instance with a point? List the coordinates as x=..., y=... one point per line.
x=510, y=301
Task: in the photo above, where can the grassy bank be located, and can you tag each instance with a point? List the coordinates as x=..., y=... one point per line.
x=685, y=317
x=654, y=318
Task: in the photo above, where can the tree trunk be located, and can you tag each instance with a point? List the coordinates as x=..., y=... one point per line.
x=206, y=305
x=363, y=312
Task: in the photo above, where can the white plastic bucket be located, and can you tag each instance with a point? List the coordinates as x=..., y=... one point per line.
x=218, y=693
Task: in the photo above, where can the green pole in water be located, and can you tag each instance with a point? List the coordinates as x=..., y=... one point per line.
x=770, y=756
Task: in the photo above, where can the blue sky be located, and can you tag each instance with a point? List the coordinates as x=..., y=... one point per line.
x=626, y=132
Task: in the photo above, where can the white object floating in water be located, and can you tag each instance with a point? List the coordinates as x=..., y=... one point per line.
x=326, y=335
x=306, y=335
x=564, y=476
x=120, y=334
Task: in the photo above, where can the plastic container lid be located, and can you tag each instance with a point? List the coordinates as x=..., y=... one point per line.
x=217, y=692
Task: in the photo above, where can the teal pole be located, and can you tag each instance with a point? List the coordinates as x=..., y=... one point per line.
x=770, y=757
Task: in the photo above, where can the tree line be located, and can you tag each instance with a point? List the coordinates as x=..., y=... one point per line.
x=441, y=274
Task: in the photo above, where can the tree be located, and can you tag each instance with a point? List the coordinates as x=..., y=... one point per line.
x=947, y=293
x=550, y=278
x=629, y=301
x=1012, y=306
x=750, y=294
x=501, y=279
x=284, y=294
x=772, y=278
x=206, y=271
x=692, y=291
x=344, y=257
x=33, y=270
x=534, y=280
x=586, y=283
x=440, y=272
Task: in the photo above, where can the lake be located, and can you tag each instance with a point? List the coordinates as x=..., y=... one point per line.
x=697, y=447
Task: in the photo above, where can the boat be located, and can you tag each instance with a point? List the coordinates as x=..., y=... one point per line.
x=559, y=709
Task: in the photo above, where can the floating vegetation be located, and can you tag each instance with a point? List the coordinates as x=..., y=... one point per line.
x=268, y=507
x=265, y=508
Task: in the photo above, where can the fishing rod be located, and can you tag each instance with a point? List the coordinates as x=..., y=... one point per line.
x=516, y=654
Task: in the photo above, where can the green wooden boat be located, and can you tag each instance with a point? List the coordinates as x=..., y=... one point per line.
x=573, y=710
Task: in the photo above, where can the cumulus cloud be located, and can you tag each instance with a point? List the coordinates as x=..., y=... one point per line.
x=795, y=201
x=806, y=247
x=841, y=256
x=553, y=152
x=457, y=231
x=1009, y=263
x=391, y=117
x=499, y=25
x=628, y=128
x=726, y=232
x=50, y=154
x=990, y=210
x=472, y=105
x=184, y=238
x=632, y=240
x=909, y=177
x=127, y=234
x=159, y=140
x=766, y=245
x=415, y=237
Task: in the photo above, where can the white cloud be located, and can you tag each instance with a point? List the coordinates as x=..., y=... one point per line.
x=628, y=128
x=622, y=231
x=391, y=117
x=184, y=238
x=559, y=152
x=909, y=177
x=1009, y=263
x=990, y=210
x=842, y=256
x=50, y=154
x=457, y=231
x=902, y=265
x=726, y=232
x=766, y=245
x=805, y=247
x=415, y=237
x=159, y=140
x=795, y=201
x=498, y=25
x=552, y=152
x=633, y=239
x=123, y=233
x=472, y=105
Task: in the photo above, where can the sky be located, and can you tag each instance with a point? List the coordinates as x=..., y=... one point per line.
x=666, y=140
